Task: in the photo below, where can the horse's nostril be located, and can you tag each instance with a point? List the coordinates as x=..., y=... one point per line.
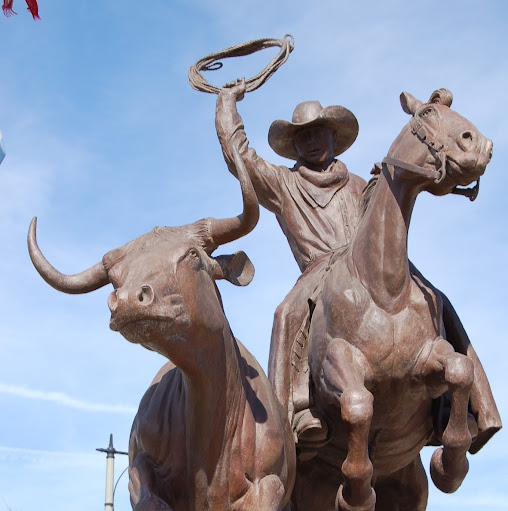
x=467, y=138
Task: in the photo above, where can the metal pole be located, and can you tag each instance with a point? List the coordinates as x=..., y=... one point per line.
x=110, y=472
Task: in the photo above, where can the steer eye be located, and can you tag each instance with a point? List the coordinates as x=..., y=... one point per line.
x=193, y=256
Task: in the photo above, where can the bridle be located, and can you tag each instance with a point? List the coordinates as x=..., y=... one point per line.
x=426, y=135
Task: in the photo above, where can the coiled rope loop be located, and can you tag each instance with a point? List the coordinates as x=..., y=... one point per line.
x=211, y=63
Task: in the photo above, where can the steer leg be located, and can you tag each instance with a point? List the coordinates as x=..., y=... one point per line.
x=140, y=487
x=449, y=464
x=266, y=494
x=141, y=480
x=342, y=379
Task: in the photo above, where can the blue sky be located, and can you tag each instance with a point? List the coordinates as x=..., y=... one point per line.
x=105, y=139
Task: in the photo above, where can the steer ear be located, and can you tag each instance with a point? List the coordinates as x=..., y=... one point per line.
x=236, y=268
x=409, y=103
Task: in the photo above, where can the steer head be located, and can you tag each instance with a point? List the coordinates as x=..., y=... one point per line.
x=164, y=281
x=164, y=284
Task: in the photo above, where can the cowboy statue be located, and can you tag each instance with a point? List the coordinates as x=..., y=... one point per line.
x=316, y=203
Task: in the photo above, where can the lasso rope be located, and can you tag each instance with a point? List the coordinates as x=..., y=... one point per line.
x=211, y=63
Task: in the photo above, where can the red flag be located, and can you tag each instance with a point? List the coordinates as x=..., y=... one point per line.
x=7, y=8
x=32, y=7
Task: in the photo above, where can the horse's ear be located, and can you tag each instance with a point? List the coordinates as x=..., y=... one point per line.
x=442, y=97
x=409, y=103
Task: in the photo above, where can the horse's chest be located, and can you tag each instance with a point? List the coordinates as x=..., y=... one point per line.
x=391, y=340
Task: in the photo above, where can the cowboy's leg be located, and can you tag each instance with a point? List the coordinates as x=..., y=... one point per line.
x=287, y=321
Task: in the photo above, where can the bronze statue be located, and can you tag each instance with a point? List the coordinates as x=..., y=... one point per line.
x=377, y=350
x=369, y=360
x=316, y=205
x=209, y=433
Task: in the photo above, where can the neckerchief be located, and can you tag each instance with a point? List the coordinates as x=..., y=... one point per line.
x=319, y=187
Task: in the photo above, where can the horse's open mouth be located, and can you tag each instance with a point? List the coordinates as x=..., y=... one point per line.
x=465, y=174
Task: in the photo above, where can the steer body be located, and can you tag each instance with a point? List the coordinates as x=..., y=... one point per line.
x=198, y=457
x=209, y=434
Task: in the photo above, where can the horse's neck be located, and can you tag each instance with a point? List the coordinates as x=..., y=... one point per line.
x=379, y=251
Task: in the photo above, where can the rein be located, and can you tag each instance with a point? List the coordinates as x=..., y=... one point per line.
x=436, y=175
x=418, y=129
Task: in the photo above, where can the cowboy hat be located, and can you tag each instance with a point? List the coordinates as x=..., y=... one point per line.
x=339, y=119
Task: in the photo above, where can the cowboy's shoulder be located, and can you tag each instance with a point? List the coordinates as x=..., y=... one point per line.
x=356, y=183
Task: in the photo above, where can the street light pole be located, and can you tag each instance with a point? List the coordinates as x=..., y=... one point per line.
x=110, y=472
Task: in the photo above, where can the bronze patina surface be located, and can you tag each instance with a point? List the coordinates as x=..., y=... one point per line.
x=369, y=362
x=209, y=433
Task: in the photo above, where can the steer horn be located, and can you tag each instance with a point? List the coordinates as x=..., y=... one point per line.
x=230, y=229
x=84, y=282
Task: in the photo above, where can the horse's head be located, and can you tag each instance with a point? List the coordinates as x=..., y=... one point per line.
x=441, y=142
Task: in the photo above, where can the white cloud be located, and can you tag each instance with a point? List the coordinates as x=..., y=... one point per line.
x=35, y=457
x=64, y=400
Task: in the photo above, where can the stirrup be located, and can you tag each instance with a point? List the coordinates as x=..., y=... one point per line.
x=311, y=433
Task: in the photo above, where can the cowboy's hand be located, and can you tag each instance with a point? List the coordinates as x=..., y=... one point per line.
x=235, y=89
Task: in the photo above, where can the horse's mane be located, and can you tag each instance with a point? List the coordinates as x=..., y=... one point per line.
x=368, y=190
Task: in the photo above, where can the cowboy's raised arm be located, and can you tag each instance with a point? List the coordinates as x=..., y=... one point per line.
x=229, y=125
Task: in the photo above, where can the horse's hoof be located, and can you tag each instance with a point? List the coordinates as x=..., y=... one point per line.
x=368, y=505
x=445, y=480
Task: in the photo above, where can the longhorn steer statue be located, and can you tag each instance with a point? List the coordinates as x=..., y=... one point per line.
x=209, y=433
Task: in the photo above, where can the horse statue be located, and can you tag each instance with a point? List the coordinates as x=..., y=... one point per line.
x=377, y=352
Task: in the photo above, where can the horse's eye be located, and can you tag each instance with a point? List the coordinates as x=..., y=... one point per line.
x=427, y=112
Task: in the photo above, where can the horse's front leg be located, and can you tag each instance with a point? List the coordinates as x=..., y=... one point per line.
x=343, y=380
x=449, y=464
